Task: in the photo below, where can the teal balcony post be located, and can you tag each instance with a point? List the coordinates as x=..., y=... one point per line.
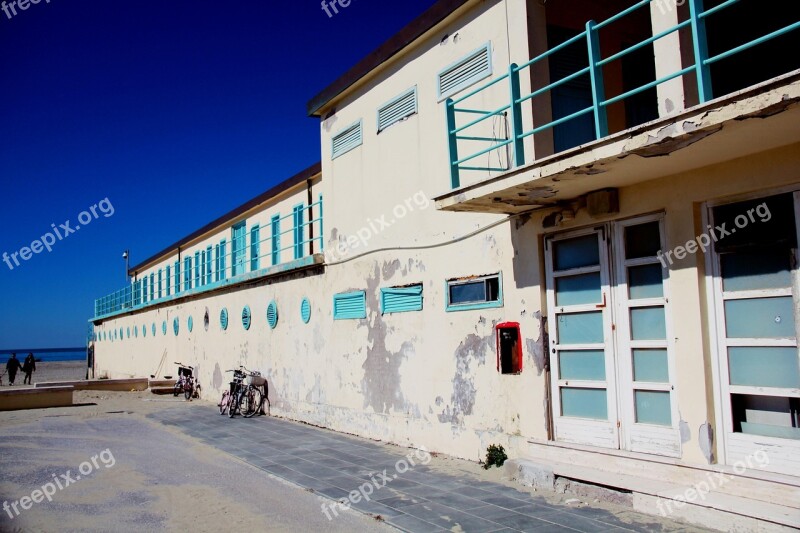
x=321, y=228
x=516, y=116
x=700, y=44
x=596, y=75
x=452, y=143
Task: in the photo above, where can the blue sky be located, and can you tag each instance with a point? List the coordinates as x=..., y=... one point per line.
x=175, y=111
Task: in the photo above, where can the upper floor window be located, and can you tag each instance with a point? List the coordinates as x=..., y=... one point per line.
x=474, y=292
x=344, y=141
x=397, y=109
x=465, y=72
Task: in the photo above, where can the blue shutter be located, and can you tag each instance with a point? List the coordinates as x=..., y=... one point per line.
x=246, y=316
x=187, y=273
x=223, y=318
x=255, y=247
x=465, y=72
x=305, y=310
x=169, y=280
x=297, y=215
x=401, y=299
x=216, y=263
x=160, y=285
x=208, y=265
x=152, y=286
x=344, y=141
x=177, y=277
x=399, y=108
x=272, y=314
x=276, y=239
x=198, y=268
x=350, y=305
x=223, y=267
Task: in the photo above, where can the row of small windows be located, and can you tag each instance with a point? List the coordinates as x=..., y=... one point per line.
x=463, y=73
x=461, y=294
x=247, y=318
x=211, y=265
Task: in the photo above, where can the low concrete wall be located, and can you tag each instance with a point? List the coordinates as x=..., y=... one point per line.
x=15, y=399
x=122, y=385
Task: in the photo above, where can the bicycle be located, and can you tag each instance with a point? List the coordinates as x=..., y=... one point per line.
x=245, y=399
x=186, y=382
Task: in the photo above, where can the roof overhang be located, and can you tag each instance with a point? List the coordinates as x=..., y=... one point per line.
x=757, y=119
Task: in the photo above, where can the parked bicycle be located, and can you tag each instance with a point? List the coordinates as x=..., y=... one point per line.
x=186, y=383
x=244, y=396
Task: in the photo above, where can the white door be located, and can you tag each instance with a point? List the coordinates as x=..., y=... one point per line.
x=756, y=289
x=611, y=350
x=581, y=344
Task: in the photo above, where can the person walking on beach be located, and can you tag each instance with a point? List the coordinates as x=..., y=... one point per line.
x=29, y=367
x=12, y=366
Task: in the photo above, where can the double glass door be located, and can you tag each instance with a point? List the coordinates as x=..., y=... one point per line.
x=612, y=360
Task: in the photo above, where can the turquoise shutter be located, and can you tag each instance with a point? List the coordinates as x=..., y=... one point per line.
x=401, y=299
x=350, y=305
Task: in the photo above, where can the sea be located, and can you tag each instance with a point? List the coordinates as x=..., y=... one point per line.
x=45, y=355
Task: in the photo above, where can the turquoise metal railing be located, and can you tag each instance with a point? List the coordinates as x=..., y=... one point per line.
x=590, y=36
x=302, y=237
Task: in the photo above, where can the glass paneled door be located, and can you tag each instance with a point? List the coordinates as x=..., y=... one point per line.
x=756, y=293
x=581, y=346
x=239, y=249
x=613, y=382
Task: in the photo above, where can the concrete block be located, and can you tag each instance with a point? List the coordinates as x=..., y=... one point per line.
x=530, y=474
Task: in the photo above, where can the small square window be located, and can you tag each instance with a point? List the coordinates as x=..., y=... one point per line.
x=474, y=293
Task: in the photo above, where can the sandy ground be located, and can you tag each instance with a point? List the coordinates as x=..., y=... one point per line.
x=149, y=476
x=51, y=371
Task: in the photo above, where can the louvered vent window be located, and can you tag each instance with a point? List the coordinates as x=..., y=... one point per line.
x=474, y=67
x=401, y=107
x=350, y=305
x=401, y=299
x=346, y=140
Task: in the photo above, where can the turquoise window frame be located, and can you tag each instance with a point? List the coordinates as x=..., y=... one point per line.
x=144, y=289
x=275, y=227
x=223, y=264
x=209, y=267
x=361, y=312
x=152, y=286
x=401, y=299
x=299, y=234
x=239, y=248
x=160, y=285
x=168, y=279
x=202, y=268
x=450, y=308
x=187, y=273
x=216, y=263
x=198, y=268
x=177, y=277
x=255, y=247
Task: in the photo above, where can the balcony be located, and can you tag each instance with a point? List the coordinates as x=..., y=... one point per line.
x=248, y=259
x=608, y=89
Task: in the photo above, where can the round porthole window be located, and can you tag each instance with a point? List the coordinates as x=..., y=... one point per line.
x=164, y=327
x=129, y=332
x=223, y=319
x=136, y=331
x=272, y=314
x=206, y=320
x=246, y=317
x=305, y=310
x=144, y=331
x=176, y=326
x=154, y=329
x=190, y=324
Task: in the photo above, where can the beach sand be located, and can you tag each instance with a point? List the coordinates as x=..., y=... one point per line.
x=52, y=371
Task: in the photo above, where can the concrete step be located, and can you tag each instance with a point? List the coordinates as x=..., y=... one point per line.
x=751, y=484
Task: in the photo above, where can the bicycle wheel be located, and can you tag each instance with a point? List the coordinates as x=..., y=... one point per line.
x=188, y=390
x=253, y=402
x=234, y=405
x=224, y=402
x=177, y=389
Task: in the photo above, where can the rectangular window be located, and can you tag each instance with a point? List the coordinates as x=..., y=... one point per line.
x=238, y=248
x=177, y=277
x=398, y=109
x=187, y=273
x=297, y=216
x=168, y=279
x=401, y=299
x=152, y=286
x=198, y=268
x=346, y=140
x=209, y=270
x=216, y=263
x=202, y=268
x=255, y=248
x=160, y=285
x=276, y=239
x=144, y=289
x=474, y=293
x=350, y=305
x=223, y=267
x=465, y=72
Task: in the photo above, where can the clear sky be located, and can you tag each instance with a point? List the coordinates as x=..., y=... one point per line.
x=175, y=111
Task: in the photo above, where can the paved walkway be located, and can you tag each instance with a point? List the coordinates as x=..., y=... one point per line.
x=420, y=499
